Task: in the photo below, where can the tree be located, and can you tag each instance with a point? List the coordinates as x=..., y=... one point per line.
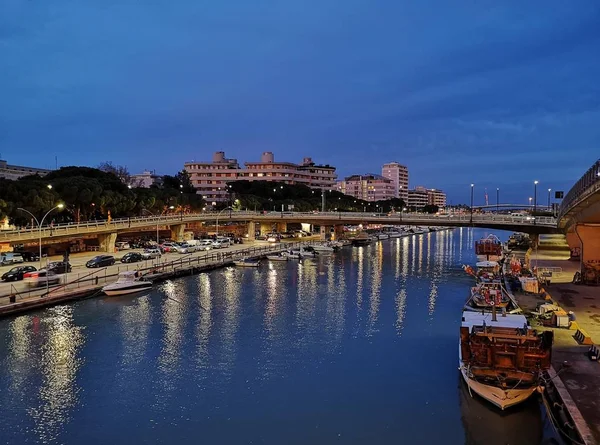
x=118, y=170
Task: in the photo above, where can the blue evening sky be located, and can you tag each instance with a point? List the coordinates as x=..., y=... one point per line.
x=498, y=93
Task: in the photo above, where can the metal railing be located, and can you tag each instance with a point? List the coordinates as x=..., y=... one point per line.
x=587, y=185
x=393, y=218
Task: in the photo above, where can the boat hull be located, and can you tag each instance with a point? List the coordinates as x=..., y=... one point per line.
x=246, y=264
x=277, y=258
x=114, y=292
x=503, y=399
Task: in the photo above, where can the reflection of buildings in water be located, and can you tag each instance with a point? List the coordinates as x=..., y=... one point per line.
x=433, y=292
x=460, y=243
x=376, y=279
x=173, y=311
x=274, y=287
x=232, y=289
x=336, y=304
x=405, y=257
x=420, y=260
x=360, y=276
x=204, y=324
x=19, y=353
x=59, y=366
x=400, y=310
x=413, y=258
x=135, y=320
x=397, y=257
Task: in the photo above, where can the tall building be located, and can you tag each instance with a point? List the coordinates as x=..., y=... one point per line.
x=210, y=178
x=145, y=179
x=436, y=197
x=369, y=187
x=418, y=197
x=13, y=172
x=398, y=174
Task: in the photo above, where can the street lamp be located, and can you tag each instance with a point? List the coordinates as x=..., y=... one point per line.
x=497, y=198
x=49, y=186
x=157, y=221
x=39, y=223
x=549, y=190
x=218, y=214
x=530, y=198
x=472, y=188
x=535, y=183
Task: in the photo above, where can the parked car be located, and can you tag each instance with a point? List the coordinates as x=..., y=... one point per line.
x=10, y=258
x=17, y=273
x=122, y=245
x=30, y=256
x=205, y=244
x=168, y=246
x=41, y=278
x=153, y=252
x=132, y=257
x=59, y=267
x=220, y=243
x=101, y=261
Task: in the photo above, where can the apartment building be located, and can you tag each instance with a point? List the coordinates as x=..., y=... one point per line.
x=436, y=197
x=14, y=172
x=146, y=179
x=398, y=174
x=368, y=187
x=418, y=197
x=210, y=178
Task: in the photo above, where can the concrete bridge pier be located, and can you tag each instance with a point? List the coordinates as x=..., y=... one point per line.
x=585, y=237
x=251, y=231
x=338, y=231
x=281, y=227
x=177, y=231
x=106, y=241
x=265, y=228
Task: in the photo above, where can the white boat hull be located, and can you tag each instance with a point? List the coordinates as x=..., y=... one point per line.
x=277, y=258
x=501, y=398
x=246, y=264
x=113, y=292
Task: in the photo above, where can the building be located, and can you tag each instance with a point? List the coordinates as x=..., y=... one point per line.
x=436, y=197
x=418, y=197
x=369, y=187
x=145, y=179
x=398, y=174
x=13, y=172
x=210, y=178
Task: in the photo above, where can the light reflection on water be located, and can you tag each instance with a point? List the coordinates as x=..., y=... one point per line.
x=296, y=352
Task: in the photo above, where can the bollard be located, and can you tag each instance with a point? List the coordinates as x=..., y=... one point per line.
x=12, y=299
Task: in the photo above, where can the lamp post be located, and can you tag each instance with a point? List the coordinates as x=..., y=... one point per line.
x=472, y=187
x=535, y=183
x=39, y=223
x=219, y=214
x=549, y=190
x=157, y=221
x=497, y=198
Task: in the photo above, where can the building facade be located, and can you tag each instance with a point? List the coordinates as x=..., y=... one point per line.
x=145, y=179
x=398, y=174
x=210, y=178
x=436, y=197
x=14, y=172
x=369, y=187
x=418, y=197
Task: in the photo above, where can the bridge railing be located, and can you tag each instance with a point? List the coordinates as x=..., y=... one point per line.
x=587, y=185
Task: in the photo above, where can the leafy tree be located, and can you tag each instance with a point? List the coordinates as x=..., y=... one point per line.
x=118, y=170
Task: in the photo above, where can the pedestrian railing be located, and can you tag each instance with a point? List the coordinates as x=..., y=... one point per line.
x=587, y=185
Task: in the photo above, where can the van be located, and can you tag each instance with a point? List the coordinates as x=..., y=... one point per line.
x=10, y=258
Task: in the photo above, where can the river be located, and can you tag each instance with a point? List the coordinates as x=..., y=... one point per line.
x=355, y=347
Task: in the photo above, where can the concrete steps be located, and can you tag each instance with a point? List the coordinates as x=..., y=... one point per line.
x=553, y=246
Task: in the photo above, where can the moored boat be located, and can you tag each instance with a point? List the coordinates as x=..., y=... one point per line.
x=489, y=248
x=127, y=283
x=323, y=248
x=362, y=239
x=501, y=358
x=282, y=256
x=247, y=262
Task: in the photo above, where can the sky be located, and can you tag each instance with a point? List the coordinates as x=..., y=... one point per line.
x=495, y=93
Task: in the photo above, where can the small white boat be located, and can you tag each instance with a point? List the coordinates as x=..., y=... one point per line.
x=303, y=252
x=128, y=283
x=381, y=236
x=322, y=248
x=283, y=256
x=394, y=234
x=292, y=254
x=247, y=262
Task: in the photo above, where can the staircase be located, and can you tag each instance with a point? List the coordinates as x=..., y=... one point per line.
x=553, y=247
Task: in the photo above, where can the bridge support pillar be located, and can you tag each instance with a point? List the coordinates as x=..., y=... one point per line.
x=177, y=232
x=338, y=231
x=585, y=238
x=265, y=228
x=251, y=231
x=281, y=227
x=107, y=242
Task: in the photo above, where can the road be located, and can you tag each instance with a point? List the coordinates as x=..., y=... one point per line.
x=78, y=261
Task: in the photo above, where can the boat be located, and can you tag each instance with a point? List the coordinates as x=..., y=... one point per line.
x=282, y=256
x=381, y=236
x=292, y=254
x=490, y=296
x=128, y=282
x=501, y=358
x=362, y=239
x=395, y=234
x=247, y=262
x=305, y=252
x=323, y=248
x=488, y=248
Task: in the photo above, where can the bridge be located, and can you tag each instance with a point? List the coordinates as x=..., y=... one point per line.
x=107, y=231
x=579, y=215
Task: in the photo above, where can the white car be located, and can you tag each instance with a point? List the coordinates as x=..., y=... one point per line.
x=151, y=253
x=185, y=248
x=220, y=243
x=205, y=244
x=121, y=245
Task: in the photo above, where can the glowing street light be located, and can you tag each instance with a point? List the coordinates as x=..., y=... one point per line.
x=40, y=223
